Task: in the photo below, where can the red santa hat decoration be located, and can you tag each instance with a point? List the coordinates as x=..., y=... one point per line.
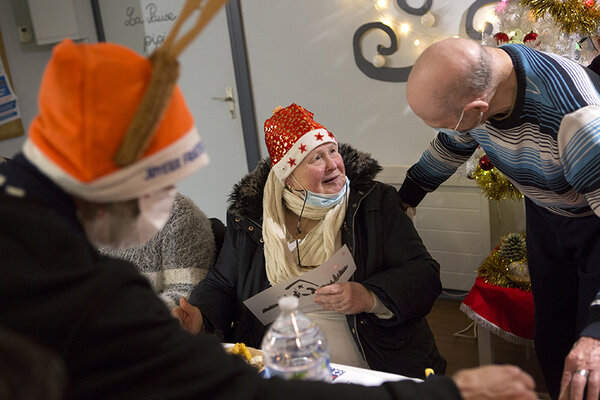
x=290, y=134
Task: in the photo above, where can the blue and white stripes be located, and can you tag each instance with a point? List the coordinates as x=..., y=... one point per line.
x=549, y=145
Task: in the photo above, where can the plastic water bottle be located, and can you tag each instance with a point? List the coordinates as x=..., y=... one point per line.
x=294, y=347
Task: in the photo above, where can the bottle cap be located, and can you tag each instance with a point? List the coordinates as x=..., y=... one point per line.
x=288, y=303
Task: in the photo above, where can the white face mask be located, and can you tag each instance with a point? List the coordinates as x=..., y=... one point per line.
x=131, y=223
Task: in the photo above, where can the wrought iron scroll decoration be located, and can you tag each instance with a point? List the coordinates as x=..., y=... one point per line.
x=469, y=28
x=413, y=10
x=401, y=74
x=383, y=73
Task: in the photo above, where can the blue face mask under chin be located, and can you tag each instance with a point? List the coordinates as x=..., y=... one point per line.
x=324, y=200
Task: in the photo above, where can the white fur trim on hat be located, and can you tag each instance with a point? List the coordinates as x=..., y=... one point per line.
x=164, y=168
x=300, y=149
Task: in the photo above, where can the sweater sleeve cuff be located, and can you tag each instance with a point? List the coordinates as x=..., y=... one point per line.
x=592, y=330
x=411, y=193
x=380, y=310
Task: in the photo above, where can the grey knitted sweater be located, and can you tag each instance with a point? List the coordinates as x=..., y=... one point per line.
x=179, y=256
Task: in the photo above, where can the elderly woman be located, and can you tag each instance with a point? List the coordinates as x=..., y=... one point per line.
x=294, y=212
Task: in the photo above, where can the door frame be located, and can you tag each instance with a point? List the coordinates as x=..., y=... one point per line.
x=237, y=38
x=235, y=25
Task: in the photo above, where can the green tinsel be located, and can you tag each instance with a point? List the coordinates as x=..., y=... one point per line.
x=494, y=270
x=495, y=186
x=574, y=16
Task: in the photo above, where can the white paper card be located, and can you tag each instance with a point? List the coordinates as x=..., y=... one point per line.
x=366, y=377
x=339, y=268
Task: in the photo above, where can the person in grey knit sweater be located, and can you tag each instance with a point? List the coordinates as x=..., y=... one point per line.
x=178, y=256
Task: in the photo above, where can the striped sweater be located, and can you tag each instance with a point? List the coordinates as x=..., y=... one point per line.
x=548, y=146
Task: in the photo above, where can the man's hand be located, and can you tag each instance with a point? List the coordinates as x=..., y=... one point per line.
x=345, y=298
x=502, y=382
x=582, y=366
x=189, y=316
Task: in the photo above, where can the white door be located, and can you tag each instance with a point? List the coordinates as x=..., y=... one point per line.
x=206, y=73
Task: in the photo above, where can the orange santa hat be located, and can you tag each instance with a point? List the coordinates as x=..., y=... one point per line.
x=88, y=97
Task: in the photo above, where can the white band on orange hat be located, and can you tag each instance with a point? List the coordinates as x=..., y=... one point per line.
x=161, y=169
x=303, y=146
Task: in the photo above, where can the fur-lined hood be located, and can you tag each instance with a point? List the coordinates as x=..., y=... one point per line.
x=247, y=195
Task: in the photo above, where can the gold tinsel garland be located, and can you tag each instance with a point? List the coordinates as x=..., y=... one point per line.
x=495, y=185
x=495, y=270
x=574, y=16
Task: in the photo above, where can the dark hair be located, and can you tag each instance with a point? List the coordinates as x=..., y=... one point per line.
x=28, y=370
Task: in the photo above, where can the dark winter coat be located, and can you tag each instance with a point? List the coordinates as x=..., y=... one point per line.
x=115, y=337
x=390, y=258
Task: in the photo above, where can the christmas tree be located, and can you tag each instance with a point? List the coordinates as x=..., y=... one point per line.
x=569, y=28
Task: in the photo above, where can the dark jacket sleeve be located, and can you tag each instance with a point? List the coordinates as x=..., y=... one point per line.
x=593, y=326
x=215, y=296
x=409, y=281
x=439, y=161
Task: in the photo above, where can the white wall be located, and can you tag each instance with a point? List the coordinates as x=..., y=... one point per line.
x=301, y=51
x=26, y=62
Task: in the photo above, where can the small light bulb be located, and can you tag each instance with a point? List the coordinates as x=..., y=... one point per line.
x=405, y=28
x=428, y=20
x=417, y=42
x=382, y=3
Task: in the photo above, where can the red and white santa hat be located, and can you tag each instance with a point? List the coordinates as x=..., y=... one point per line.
x=290, y=134
x=88, y=97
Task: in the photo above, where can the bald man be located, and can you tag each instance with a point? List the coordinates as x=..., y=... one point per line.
x=537, y=116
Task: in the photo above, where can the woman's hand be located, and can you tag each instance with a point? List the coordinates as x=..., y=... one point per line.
x=189, y=316
x=495, y=382
x=345, y=298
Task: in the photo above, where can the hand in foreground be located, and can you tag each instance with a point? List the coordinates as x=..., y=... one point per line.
x=582, y=366
x=189, y=316
x=503, y=382
x=345, y=298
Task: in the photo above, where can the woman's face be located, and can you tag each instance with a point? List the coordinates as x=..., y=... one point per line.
x=321, y=171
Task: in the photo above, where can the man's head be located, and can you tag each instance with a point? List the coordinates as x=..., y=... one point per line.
x=88, y=97
x=450, y=84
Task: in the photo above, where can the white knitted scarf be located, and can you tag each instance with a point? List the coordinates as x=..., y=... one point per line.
x=316, y=247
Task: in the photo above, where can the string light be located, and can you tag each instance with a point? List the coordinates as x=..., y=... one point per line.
x=386, y=21
x=490, y=18
x=420, y=38
x=382, y=4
